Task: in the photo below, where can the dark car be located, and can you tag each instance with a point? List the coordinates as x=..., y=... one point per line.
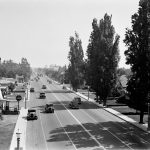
x=44, y=87
x=122, y=99
x=74, y=104
x=49, y=108
x=42, y=95
x=77, y=99
x=31, y=89
x=32, y=114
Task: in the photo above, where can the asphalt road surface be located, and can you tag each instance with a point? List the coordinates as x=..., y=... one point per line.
x=87, y=128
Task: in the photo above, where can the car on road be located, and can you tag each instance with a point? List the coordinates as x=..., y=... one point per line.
x=32, y=114
x=74, y=104
x=49, y=108
x=49, y=81
x=78, y=99
x=32, y=89
x=44, y=87
x=42, y=95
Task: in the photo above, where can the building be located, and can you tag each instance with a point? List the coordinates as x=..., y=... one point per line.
x=20, y=79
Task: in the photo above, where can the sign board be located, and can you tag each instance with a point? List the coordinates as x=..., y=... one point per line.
x=18, y=97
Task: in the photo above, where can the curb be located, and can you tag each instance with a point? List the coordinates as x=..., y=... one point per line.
x=114, y=112
x=21, y=128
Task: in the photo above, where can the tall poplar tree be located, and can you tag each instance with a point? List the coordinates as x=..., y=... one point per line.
x=137, y=55
x=75, y=57
x=103, y=57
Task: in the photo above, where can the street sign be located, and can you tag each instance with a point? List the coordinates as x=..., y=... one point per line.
x=18, y=97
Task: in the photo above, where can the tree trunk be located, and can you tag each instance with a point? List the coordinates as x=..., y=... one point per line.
x=104, y=102
x=141, y=116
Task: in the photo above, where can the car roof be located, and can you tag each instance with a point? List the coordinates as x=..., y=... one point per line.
x=31, y=110
x=76, y=97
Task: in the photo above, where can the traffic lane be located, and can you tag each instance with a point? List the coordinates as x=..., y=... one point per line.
x=55, y=135
x=35, y=138
x=135, y=142
x=48, y=123
x=102, y=136
x=129, y=134
x=80, y=137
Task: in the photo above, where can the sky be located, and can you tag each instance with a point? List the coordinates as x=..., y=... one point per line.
x=39, y=30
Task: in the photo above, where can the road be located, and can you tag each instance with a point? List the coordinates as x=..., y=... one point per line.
x=89, y=127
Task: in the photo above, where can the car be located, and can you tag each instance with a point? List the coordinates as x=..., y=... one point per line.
x=31, y=89
x=44, y=87
x=42, y=95
x=49, y=81
x=78, y=99
x=74, y=104
x=123, y=99
x=49, y=108
x=32, y=114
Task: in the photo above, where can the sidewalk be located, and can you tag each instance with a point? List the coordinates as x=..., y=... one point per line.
x=114, y=112
x=21, y=128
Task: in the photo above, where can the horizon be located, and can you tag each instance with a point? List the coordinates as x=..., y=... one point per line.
x=39, y=30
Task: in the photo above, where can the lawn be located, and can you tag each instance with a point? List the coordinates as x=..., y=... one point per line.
x=6, y=130
x=122, y=108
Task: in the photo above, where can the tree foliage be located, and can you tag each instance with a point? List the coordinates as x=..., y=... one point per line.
x=9, y=69
x=137, y=55
x=75, y=56
x=103, y=57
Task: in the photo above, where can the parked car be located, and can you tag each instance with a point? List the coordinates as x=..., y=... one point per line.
x=42, y=95
x=49, y=108
x=74, y=104
x=122, y=99
x=32, y=114
x=32, y=89
x=44, y=87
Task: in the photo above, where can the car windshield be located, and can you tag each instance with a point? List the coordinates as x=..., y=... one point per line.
x=42, y=93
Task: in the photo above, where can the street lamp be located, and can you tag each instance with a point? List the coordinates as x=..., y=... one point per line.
x=18, y=139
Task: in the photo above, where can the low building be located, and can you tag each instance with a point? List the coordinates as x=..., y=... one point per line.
x=20, y=79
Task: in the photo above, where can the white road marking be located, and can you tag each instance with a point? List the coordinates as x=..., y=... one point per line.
x=65, y=131
x=108, y=130
x=43, y=132
x=80, y=124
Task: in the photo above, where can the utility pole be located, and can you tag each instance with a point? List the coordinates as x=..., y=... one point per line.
x=148, y=26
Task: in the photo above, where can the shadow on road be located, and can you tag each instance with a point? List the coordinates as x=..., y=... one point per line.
x=54, y=91
x=58, y=106
x=111, y=135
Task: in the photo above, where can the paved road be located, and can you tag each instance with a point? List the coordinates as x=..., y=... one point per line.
x=89, y=127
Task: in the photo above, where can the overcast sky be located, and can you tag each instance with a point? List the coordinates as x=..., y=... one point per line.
x=39, y=30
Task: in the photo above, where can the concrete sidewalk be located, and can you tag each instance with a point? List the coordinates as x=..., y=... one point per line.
x=114, y=112
x=21, y=128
